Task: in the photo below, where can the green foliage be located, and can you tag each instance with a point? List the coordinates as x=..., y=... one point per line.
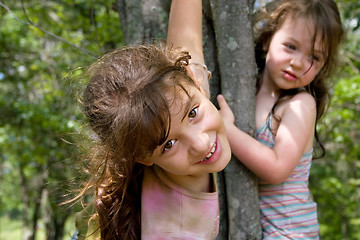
x=12, y=229
x=350, y=13
x=41, y=43
x=335, y=180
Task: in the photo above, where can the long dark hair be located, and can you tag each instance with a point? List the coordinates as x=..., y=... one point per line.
x=126, y=105
x=328, y=27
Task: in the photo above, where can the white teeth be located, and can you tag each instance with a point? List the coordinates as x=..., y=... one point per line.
x=210, y=153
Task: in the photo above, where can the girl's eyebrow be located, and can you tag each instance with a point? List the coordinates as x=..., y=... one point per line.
x=318, y=52
x=186, y=107
x=293, y=40
x=315, y=51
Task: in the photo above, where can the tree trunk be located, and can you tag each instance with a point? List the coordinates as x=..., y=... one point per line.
x=58, y=227
x=28, y=234
x=229, y=55
x=143, y=21
x=37, y=186
x=236, y=58
x=53, y=215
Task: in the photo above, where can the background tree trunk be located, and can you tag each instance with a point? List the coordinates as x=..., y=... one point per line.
x=31, y=191
x=229, y=55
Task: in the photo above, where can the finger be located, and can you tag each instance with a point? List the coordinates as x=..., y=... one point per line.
x=222, y=102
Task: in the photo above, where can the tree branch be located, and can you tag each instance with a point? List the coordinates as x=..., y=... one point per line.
x=30, y=23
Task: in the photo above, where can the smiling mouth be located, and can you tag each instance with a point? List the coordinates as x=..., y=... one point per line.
x=210, y=153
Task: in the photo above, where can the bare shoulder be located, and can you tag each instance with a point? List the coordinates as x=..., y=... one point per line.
x=303, y=100
x=302, y=104
x=304, y=96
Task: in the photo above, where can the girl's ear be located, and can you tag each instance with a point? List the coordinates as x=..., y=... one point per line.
x=145, y=162
x=265, y=44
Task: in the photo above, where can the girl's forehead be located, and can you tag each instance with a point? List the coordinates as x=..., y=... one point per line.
x=179, y=98
x=302, y=23
x=306, y=29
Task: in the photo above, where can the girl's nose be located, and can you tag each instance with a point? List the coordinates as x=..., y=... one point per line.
x=297, y=61
x=199, y=142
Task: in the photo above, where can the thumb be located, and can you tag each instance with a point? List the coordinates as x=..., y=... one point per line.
x=225, y=110
x=222, y=102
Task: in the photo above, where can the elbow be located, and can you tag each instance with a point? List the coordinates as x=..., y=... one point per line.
x=275, y=181
x=276, y=178
x=277, y=172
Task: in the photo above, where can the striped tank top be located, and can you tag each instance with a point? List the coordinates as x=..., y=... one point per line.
x=286, y=209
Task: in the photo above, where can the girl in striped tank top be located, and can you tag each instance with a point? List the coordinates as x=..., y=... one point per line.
x=296, y=52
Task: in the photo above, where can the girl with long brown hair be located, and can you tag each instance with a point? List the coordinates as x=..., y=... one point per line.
x=298, y=44
x=158, y=139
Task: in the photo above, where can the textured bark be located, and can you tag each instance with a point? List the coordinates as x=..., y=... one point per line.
x=236, y=59
x=229, y=55
x=36, y=186
x=143, y=21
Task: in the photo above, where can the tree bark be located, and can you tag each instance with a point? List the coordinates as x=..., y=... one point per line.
x=28, y=234
x=143, y=21
x=37, y=186
x=236, y=59
x=53, y=215
x=229, y=55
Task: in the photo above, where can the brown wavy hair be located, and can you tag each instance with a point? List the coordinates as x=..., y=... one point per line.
x=328, y=27
x=126, y=105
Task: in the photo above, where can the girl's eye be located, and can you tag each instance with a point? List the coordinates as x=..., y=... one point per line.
x=168, y=145
x=290, y=46
x=315, y=58
x=193, y=112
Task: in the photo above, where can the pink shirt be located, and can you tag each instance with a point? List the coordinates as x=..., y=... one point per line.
x=172, y=212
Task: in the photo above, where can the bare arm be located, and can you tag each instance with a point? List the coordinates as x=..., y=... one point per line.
x=185, y=27
x=292, y=140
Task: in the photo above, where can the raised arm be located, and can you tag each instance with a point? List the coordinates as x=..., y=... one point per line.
x=294, y=137
x=185, y=27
